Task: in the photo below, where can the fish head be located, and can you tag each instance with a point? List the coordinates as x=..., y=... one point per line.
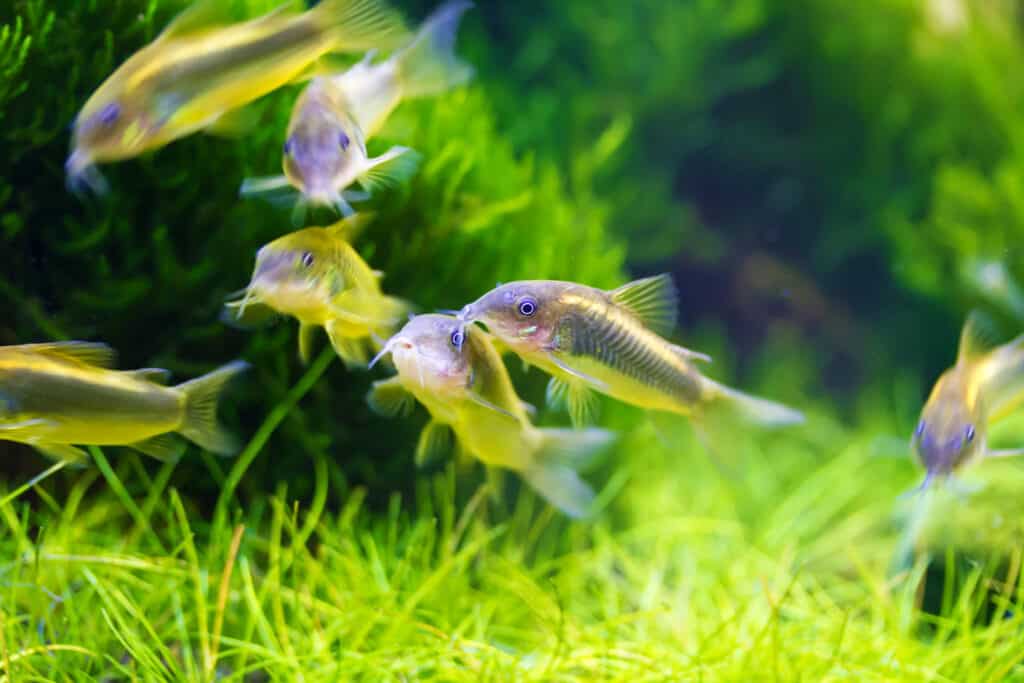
x=322, y=153
x=297, y=274
x=108, y=128
x=525, y=314
x=950, y=433
x=431, y=351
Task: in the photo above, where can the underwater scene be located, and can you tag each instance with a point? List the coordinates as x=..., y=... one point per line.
x=438, y=340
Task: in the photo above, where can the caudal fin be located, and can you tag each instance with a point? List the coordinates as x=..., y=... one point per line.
x=359, y=25
x=200, y=425
x=553, y=473
x=428, y=66
x=759, y=411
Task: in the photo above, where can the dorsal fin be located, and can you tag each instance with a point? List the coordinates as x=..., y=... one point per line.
x=350, y=227
x=154, y=375
x=86, y=353
x=653, y=300
x=977, y=338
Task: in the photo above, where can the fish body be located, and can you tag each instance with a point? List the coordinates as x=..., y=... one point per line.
x=985, y=385
x=202, y=67
x=53, y=396
x=610, y=341
x=317, y=277
x=458, y=375
x=325, y=149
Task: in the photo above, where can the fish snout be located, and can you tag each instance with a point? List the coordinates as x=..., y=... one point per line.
x=467, y=314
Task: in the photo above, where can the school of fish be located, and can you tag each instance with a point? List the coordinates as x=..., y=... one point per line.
x=201, y=74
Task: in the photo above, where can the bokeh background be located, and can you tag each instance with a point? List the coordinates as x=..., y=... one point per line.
x=833, y=185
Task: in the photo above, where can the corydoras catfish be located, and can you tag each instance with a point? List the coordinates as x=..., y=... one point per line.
x=457, y=374
x=984, y=386
x=332, y=120
x=610, y=341
x=55, y=397
x=316, y=276
x=203, y=67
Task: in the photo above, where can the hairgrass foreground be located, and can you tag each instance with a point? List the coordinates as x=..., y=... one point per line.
x=758, y=568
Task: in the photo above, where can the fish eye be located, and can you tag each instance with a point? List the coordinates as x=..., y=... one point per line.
x=919, y=430
x=458, y=338
x=527, y=307
x=343, y=141
x=308, y=260
x=287, y=148
x=969, y=434
x=109, y=114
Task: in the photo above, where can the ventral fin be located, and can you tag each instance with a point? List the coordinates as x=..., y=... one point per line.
x=977, y=338
x=574, y=396
x=389, y=398
x=394, y=167
x=434, y=444
x=87, y=353
x=62, y=452
x=165, y=448
x=654, y=300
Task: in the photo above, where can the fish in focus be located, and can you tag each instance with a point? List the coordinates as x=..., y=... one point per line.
x=325, y=148
x=591, y=340
x=56, y=397
x=202, y=68
x=985, y=385
x=317, y=277
x=457, y=374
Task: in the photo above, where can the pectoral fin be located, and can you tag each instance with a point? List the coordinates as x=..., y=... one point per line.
x=72, y=455
x=165, y=448
x=573, y=372
x=392, y=168
x=481, y=401
x=389, y=398
x=352, y=351
x=1005, y=453
x=235, y=123
x=435, y=443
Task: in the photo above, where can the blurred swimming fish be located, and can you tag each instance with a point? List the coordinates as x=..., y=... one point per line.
x=53, y=396
x=325, y=149
x=588, y=339
x=317, y=277
x=459, y=377
x=202, y=68
x=985, y=385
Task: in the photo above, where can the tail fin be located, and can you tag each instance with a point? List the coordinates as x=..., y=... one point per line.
x=359, y=25
x=553, y=473
x=759, y=411
x=200, y=425
x=428, y=66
